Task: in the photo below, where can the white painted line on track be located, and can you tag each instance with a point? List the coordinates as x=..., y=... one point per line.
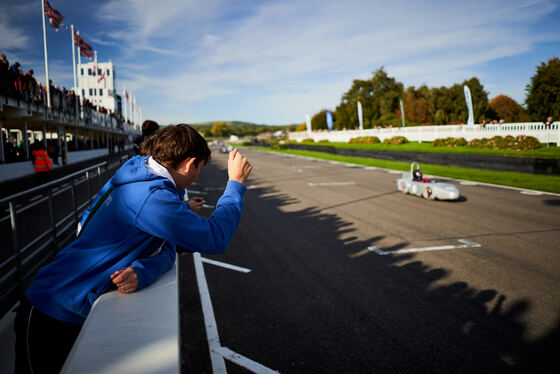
x=245, y=362
x=468, y=183
x=466, y=244
x=331, y=184
x=395, y=172
x=370, y=168
x=224, y=265
x=252, y=187
x=208, y=206
x=531, y=192
x=217, y=352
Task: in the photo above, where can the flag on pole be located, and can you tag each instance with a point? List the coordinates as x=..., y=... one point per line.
x=55, y=18
x=101, y=77
x=329, y=120
x=85, y=49
x=468, y=99
x=308, y=123
x=360, y=116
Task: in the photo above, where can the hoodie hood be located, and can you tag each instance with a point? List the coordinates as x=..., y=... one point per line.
x=134, y=170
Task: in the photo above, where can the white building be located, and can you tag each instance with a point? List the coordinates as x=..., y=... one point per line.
x=98, y=86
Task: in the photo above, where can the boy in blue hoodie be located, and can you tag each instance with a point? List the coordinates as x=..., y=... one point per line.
x=128, y=240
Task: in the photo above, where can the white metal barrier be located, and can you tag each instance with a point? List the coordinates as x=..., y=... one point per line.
x=430, y=133
x=132, y=333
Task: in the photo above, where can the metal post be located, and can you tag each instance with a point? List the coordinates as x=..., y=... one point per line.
x=45, y=135
x=25, y=140
x=99, y=176
x=74, y=202
x=53, y=222
x=17, y=252
x=2, y=158
x=88, y=185
x=46, y=59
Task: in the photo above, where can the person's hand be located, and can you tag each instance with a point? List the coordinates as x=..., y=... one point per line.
x=126, y=280
x=238, y=167
x=196, y=203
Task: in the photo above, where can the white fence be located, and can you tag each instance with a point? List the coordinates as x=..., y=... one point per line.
x=430, y=133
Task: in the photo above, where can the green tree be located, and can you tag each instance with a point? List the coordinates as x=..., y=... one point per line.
x=319, y=120
x=543, y=93
x=508, y=109
x=380, y=102
x=220, y=129
x=417, y=107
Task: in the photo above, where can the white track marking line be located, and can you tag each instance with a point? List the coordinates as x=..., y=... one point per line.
x=252, y=187
x=331, y=184
x=466, y=244
x=531, y=192
x=395, y=172
x=468, y=183
x=224, y=265
x=208, y=206
x=217, y=352
x=214, y=188
x=245, y=362
x=218, y=363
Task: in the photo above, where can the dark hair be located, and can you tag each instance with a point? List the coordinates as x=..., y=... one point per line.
x=173, y=144
x=149, y=127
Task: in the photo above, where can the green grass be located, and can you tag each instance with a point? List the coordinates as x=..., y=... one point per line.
x=537, y=182
x=543, y=152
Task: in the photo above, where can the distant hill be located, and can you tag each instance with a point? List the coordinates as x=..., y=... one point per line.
x=241, y=128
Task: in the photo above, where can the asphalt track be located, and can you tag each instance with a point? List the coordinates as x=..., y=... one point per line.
x=326, y=294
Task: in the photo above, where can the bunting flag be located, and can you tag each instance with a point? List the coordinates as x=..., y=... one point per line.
x=85, y=49
x=125, y=96
x=101, y=77
x=55, y=18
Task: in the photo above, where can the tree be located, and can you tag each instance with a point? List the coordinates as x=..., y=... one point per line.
x=319, y=120
x=543, y=93
x=302, y=127
x=508, y=109
x=417, y=107
x=380, y=102
x=220, y=129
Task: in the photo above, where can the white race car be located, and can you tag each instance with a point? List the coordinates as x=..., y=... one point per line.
x=414, y=183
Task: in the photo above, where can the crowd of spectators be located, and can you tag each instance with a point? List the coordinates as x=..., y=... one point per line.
x=22, y=86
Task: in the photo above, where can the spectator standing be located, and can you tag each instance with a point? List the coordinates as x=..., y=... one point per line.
x=41, y=161
x=143, y=204
x=548, y=123
x=149, y=128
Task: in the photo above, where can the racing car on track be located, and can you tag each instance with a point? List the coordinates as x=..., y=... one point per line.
x=414, y=183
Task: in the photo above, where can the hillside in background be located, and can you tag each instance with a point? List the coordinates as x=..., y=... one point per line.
x=239, y=128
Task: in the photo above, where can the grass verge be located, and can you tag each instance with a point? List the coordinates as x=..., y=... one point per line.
x=537, y=182
x=543, y=152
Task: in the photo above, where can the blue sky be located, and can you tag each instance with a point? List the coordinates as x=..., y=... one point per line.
x=272, y=62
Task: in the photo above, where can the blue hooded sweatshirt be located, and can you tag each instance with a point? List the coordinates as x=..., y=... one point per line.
x=138, y=225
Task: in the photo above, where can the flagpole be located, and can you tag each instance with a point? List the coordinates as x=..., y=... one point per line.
x=79, y=81
x=74, y=68
x=95, y=75
x=46, y=58
x=125, y=114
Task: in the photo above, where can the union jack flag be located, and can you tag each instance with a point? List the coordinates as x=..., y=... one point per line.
x=85, y=49
x=101, y=77
x=55, y=18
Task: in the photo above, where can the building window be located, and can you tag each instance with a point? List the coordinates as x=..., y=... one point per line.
x=91, y=92
x=110, y=92
x=101, y=92
x=95, y=92
x=98, y=71
x=108, y=72
x=83, y=92
x=82, y=71
x=89, y=71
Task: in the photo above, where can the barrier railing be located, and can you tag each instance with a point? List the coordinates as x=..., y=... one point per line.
x=545, y=134
x=50, y=213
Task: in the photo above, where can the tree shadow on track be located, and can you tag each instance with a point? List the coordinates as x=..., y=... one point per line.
x=309, y=307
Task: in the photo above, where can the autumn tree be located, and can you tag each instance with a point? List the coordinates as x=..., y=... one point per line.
x=417, y=107
x=319, y=120
x=543, y=93
x=302, y=127
x=220, y=129
x=508, y=109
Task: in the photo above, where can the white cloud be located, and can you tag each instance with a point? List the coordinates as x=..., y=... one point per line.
x=296, y=55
